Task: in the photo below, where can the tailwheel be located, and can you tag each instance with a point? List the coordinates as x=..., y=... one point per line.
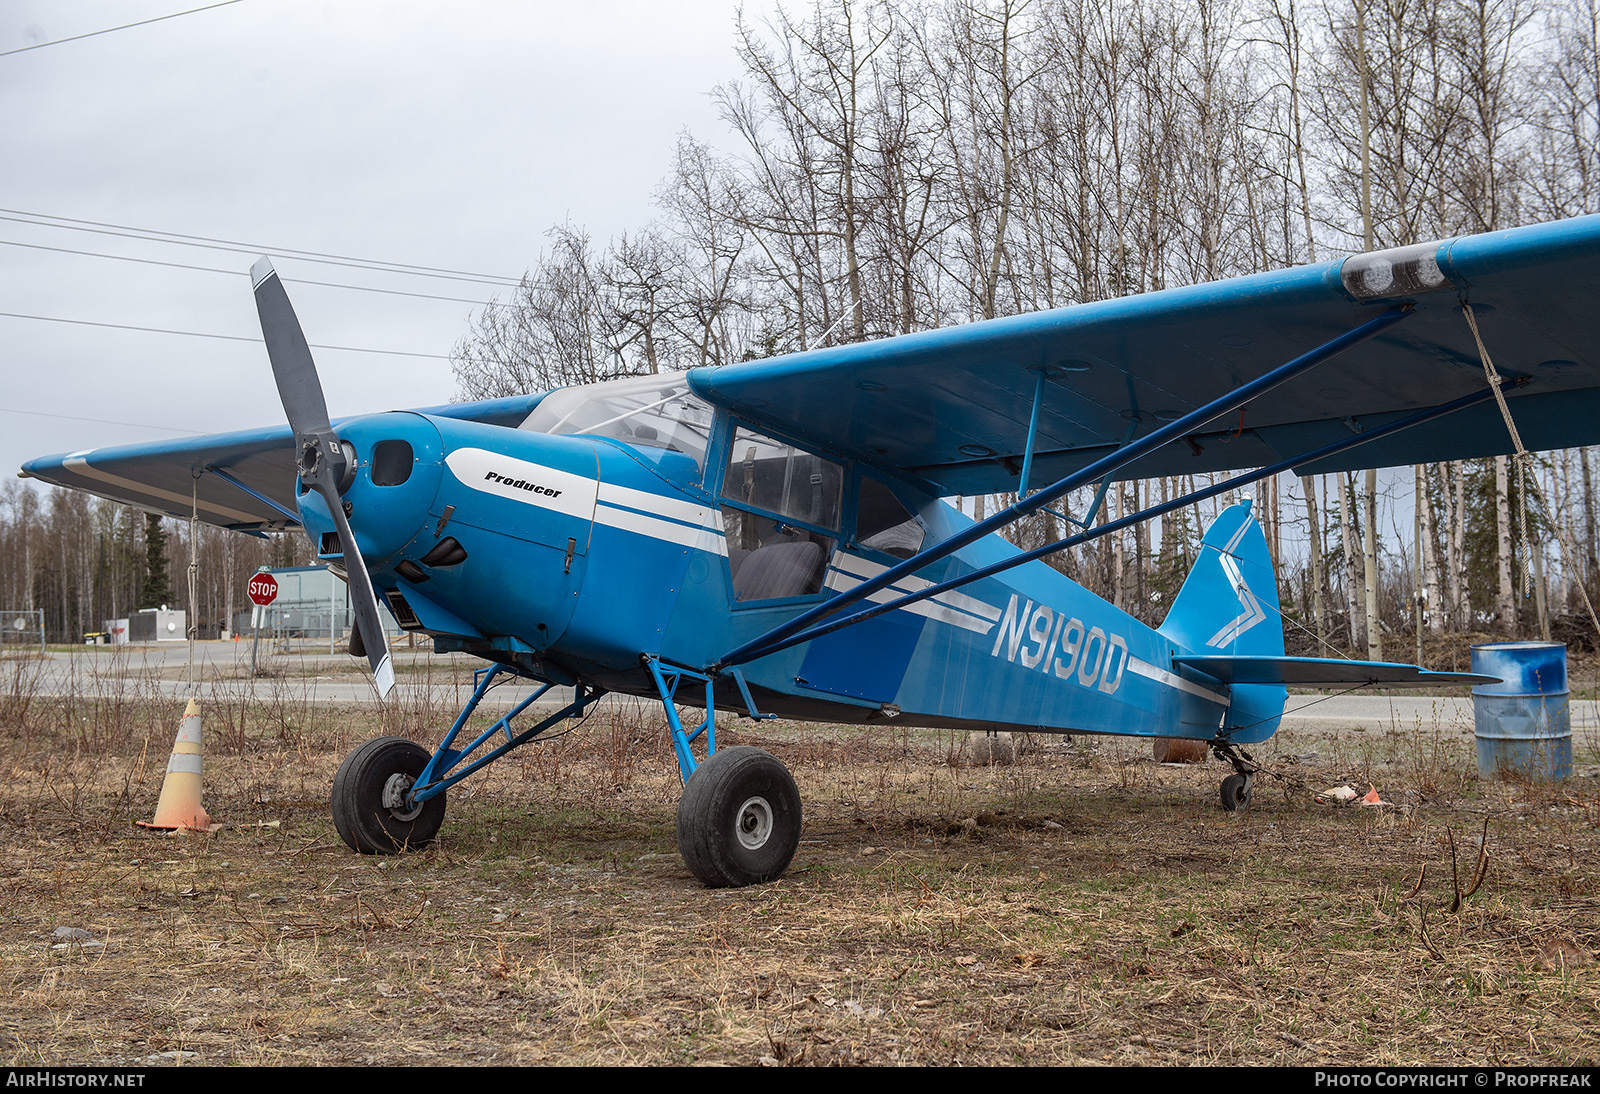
x=1236, y=790
x=739, y=818
x=370, y=806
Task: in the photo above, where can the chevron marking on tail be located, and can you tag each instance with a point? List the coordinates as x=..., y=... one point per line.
x=1253, y=612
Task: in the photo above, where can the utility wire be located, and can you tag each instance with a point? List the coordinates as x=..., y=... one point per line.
x=125, y=231
x=113, y=30
x=97, y=421
x=244, y=273
x=222, y=337
x=239, y=338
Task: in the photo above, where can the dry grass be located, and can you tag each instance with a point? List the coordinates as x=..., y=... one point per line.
x=1081, y=906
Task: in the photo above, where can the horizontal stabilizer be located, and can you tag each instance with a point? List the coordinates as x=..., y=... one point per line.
x=1326, y=672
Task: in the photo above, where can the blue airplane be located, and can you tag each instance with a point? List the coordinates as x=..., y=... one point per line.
x=768, y=538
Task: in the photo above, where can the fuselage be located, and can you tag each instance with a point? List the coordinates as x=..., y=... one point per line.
x=631, y=520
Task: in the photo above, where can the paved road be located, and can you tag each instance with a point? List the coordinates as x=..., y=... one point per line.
x=224, y=668
x=1405, y=711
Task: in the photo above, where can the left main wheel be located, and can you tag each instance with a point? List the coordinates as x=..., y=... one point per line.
x=369, y=807
x=739, y=818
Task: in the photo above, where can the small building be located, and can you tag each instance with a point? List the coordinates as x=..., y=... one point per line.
x=312, y=605
x=158, y=625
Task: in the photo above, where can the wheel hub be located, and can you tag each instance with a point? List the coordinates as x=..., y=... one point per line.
x=395, y=798
x=753, y=823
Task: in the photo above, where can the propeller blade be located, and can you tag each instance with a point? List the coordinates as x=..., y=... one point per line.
x=299, y=387
x=363, y=598
x=322, y=459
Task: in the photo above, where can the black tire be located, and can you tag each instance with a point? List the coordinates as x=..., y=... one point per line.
x=363, y=821
x=1236, y=792
x=739, y=818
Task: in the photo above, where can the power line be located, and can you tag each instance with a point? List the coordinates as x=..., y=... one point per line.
x=154, y=235
x=239, y=338
x=97, y=421
x=356, y=264
x=221, y=337
x=113, y=30
x=244, y=273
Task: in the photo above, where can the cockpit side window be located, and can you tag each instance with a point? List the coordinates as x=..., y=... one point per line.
x=883, y=523
x=781, y=515
x=763, y=473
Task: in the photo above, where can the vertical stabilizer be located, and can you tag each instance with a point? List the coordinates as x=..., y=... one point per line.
x=1229, y=601
x=1229, y=606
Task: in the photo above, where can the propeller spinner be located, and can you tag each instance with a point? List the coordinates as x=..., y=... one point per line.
x=326, y=463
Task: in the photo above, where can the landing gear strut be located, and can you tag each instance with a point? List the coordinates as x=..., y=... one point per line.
x=738, y=820
x=739, y=817
x=389, y=793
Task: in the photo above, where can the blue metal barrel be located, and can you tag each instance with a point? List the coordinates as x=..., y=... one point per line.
x=1523, y=723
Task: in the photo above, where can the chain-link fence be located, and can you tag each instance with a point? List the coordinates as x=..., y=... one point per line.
x=311, y=612
x=22, y=628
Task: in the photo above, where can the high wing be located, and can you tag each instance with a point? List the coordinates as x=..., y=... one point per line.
x=251, y=473
x=953, y=406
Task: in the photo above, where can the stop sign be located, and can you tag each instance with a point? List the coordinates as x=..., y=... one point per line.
x=263, y=589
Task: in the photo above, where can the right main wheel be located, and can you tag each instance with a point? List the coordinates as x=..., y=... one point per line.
x=739, y=818
x=368, y=800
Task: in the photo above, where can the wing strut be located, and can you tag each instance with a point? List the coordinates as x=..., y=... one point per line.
x=1027, y=455
x=1102, y=467
x=262, y=498
x=1033, y=430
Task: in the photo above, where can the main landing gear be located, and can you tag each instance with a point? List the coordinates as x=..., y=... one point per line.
x=389, y=793
x=738, y=820
x=739, y=817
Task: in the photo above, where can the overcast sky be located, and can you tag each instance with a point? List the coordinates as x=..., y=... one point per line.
x=444, y=135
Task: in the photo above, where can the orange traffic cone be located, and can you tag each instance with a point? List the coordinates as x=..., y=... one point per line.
x=180, y=806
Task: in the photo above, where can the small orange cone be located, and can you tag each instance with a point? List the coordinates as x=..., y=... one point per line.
x=180, y=806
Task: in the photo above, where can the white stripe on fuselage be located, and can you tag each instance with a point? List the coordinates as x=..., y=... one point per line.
x=522, y=480
x=951, y=607
x=661, y=505
x=656, y=516
x=855, y=566
x=698, y=536
x=959, y=609
x=1173, y=680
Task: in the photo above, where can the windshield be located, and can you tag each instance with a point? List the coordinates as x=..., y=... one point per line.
x=643, y=411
